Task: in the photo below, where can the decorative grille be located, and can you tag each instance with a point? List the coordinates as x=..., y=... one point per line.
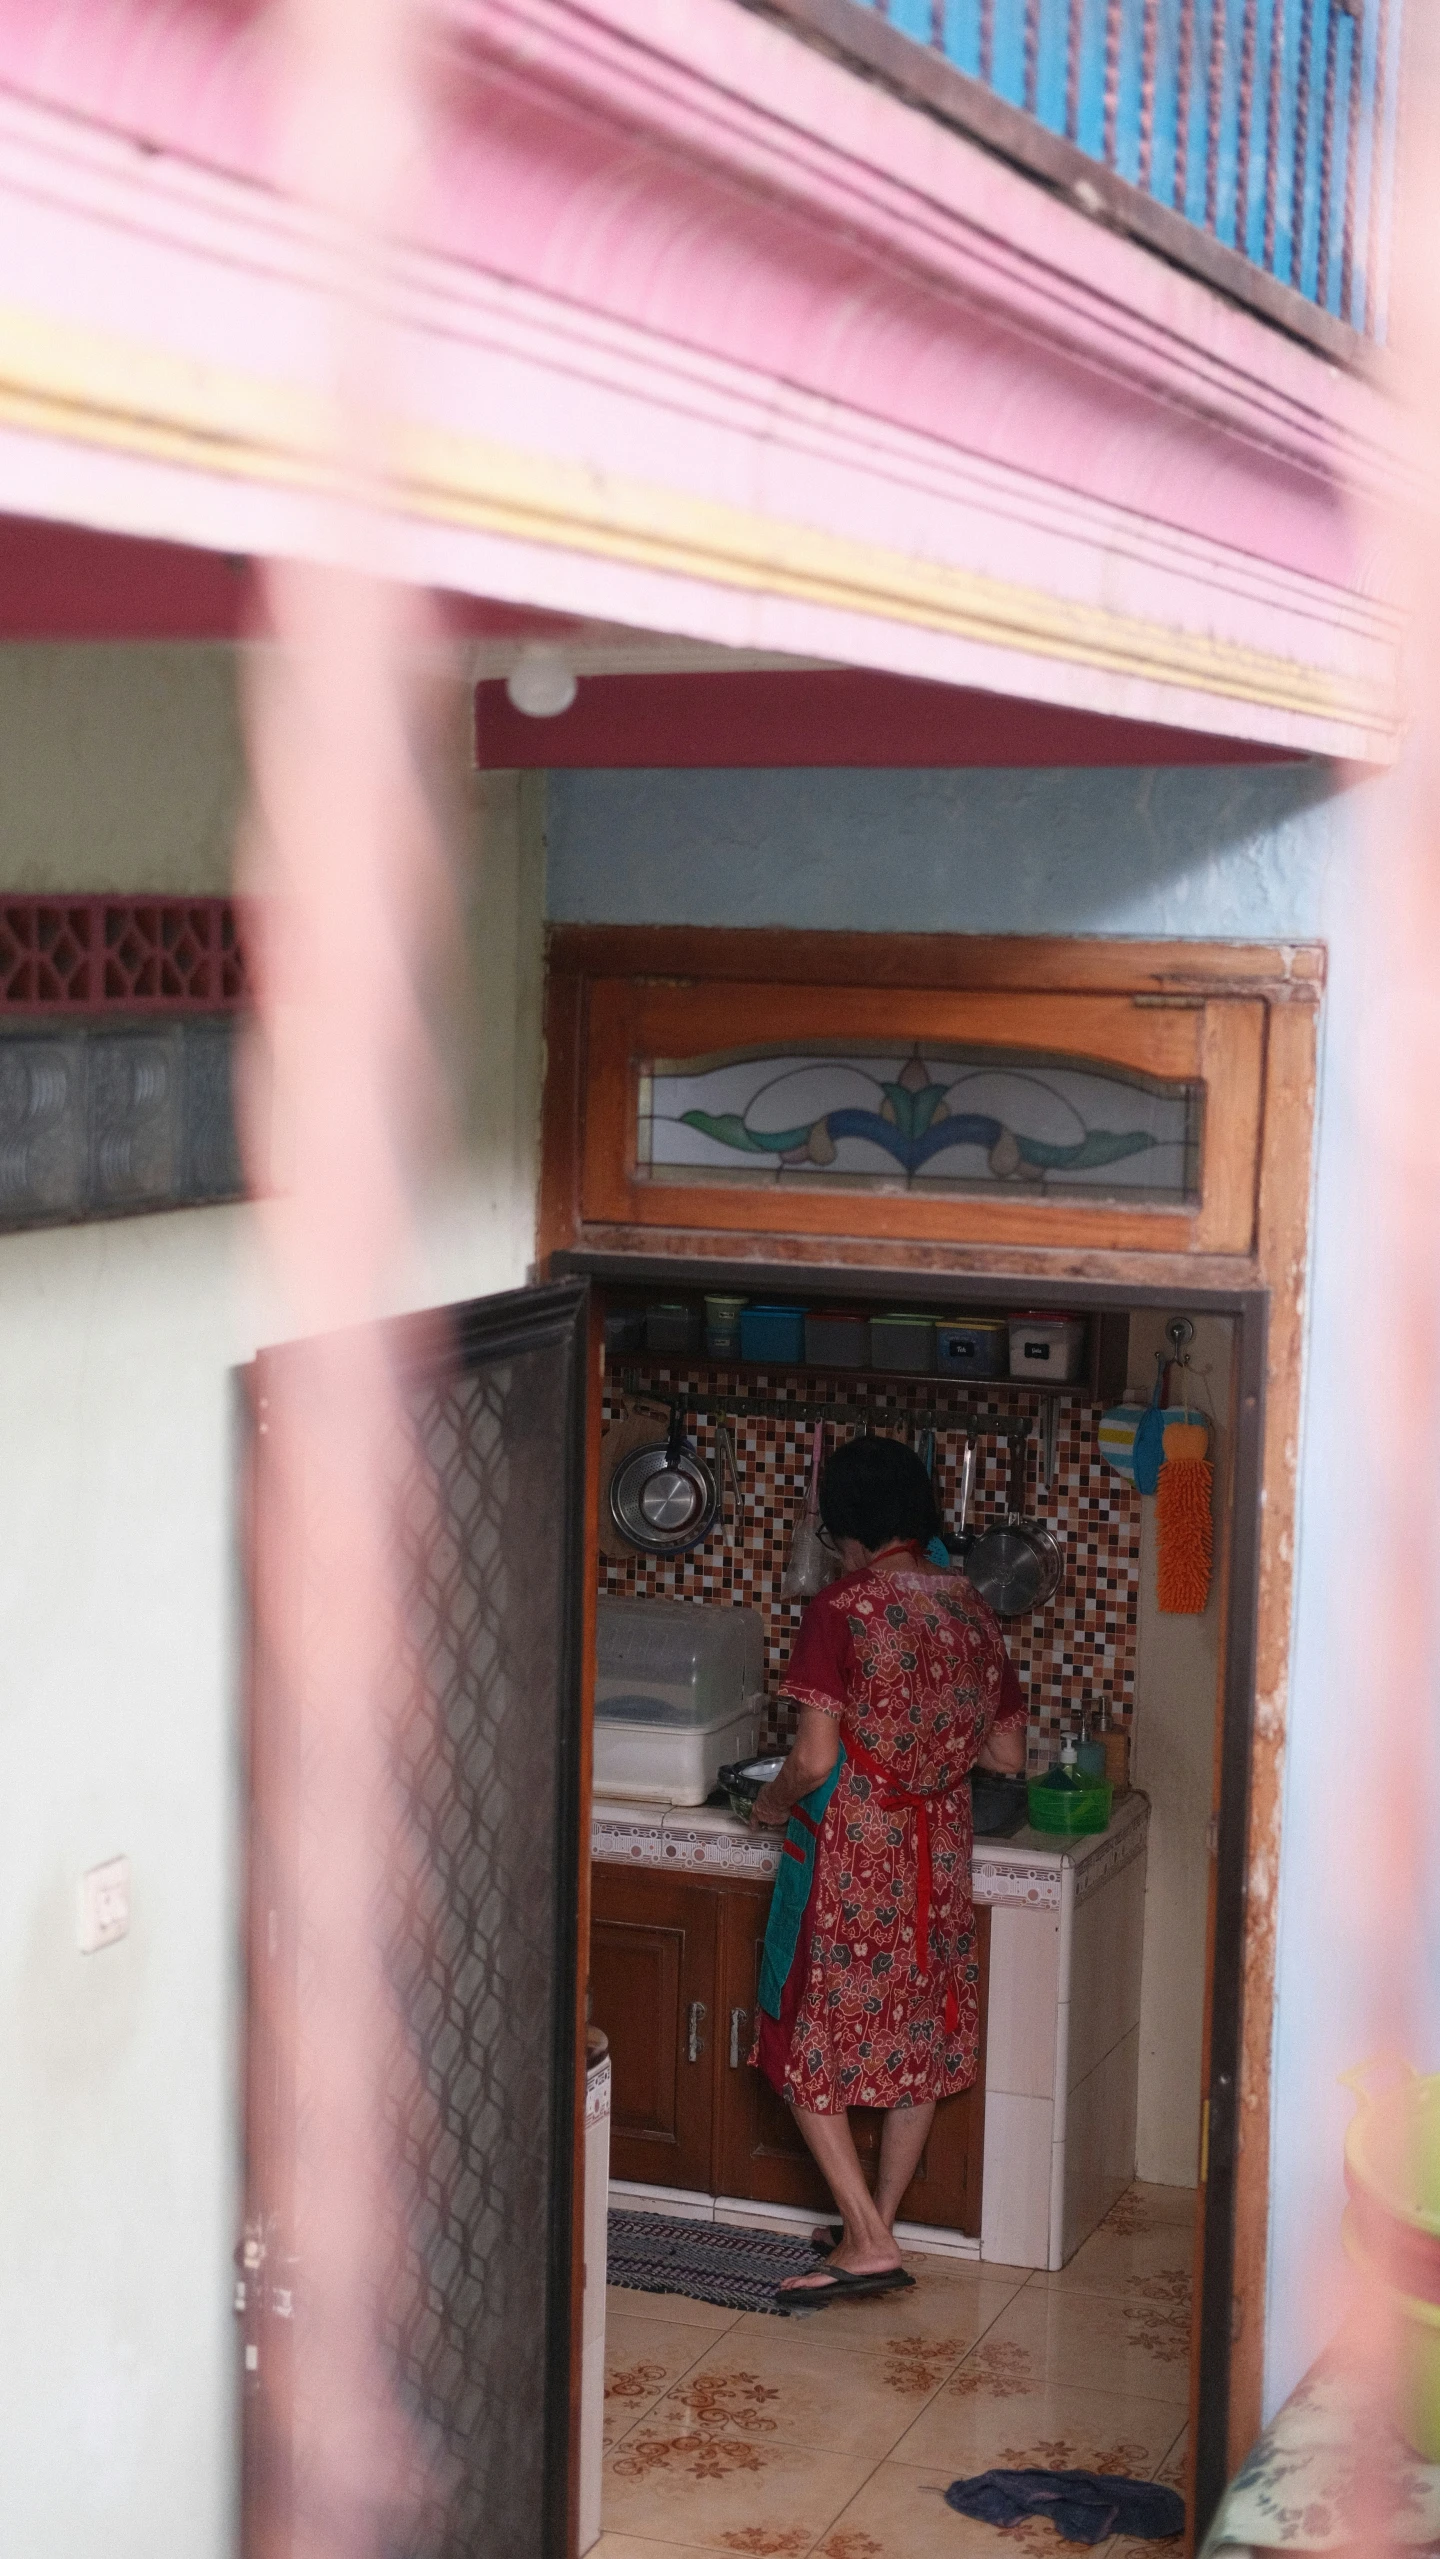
x=78, y=954
x=117, y=1053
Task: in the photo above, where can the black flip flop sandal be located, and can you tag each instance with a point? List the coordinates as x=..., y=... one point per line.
x=840, y=2286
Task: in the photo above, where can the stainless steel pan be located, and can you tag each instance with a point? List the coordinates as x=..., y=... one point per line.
x=1018, y=1567
x=662, y=1497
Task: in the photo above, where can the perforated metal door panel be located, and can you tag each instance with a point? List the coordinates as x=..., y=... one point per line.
x=477, y=1923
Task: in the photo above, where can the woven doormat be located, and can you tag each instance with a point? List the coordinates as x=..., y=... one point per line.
x=705, y=2260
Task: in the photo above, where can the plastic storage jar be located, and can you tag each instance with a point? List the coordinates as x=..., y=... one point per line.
x=979, y=1348
x=837, y=1336
x=722, y=1326
x=672, y=1331
x=903, y=1343
x=1048, y=1348
x=774, y=1334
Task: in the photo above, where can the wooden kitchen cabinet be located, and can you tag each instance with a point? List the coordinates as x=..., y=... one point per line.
x=654, y=1942
x=674, y=1968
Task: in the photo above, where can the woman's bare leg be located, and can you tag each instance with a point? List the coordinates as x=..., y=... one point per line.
x=906, y=2131
x=866, y=2246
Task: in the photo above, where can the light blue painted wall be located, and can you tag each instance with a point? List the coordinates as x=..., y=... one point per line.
x=1228, y=851
x=1238, y=852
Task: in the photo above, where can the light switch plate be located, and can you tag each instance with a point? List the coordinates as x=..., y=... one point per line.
x=104, y=1905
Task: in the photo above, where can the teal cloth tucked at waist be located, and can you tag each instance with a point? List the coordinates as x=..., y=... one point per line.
x=793, y=1886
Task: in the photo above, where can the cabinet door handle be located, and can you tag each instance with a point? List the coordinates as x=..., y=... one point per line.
x=738, y=2017
x=693, y=2046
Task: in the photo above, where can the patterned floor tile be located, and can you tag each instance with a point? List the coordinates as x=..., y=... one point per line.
x=1144, y=2206
x=643, y=2359
x=1140, y=2348
x=676, y=2307
x=995, y=2414
x=938, y=2309
x=1173, y=2468
x=790, y=2382
x=1149, y=2265
x=624, y=2545
x=720, y=2489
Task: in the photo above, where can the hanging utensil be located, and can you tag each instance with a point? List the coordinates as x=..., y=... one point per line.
x=963, y=1538
x=1018, y=1567
x=730, y=1466
x=1049, y=1440
x=662, y=1496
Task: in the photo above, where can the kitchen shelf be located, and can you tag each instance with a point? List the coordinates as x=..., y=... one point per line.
x=1102, y=1378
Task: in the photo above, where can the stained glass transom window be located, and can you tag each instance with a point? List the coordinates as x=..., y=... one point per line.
x=954, y=1119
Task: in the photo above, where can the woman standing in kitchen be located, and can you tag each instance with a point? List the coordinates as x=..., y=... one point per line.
x=869, y=1992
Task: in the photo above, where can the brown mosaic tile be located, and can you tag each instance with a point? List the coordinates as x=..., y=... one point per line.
x=1078, y=1654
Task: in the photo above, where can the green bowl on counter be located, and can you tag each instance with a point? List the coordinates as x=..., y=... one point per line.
x=1067, y=1808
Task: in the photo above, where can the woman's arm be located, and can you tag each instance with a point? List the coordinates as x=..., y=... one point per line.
x=1004, y=1751
x=812, y=1755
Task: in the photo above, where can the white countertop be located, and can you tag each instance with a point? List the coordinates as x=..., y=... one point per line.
x=1026, y=1868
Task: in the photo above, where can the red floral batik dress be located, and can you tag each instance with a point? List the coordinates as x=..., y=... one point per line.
x=913, y=1664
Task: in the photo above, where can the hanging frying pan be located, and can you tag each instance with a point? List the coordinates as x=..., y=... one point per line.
x=1017, y=1567
x=636, y=1426
x=662, y=1496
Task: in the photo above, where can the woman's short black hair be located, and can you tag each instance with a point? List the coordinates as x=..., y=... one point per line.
x=877, y=1490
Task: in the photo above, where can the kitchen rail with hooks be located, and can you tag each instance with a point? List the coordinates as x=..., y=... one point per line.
x=911, y=1418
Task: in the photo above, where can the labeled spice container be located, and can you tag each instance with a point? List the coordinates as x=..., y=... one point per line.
x=1047, y=1348
x=722, y=1326
x=980, y=1347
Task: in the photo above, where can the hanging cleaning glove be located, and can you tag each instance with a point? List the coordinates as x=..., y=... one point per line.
x=1182, y=1519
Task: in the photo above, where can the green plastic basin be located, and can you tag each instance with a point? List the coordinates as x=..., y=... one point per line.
x=1415, y=2376
x=1066, y=1811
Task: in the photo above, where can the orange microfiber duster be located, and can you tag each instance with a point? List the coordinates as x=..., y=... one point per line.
x=1182, y=1517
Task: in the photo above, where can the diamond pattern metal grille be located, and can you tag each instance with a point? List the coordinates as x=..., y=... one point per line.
x=471, y=1934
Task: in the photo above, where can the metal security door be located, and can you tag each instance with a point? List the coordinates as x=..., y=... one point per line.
x=477, y=1926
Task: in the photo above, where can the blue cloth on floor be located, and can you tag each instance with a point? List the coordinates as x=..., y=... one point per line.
x=1083, y=2505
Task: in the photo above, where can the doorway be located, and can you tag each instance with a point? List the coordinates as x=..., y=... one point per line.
x=658, y=2160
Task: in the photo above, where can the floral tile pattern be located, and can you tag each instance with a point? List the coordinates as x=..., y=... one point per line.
x=1049, y=2426
x=1071, y=2336
x=643, y=2357
x=836, y=2438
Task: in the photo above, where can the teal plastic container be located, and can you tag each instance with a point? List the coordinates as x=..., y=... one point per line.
x=1067, y=1805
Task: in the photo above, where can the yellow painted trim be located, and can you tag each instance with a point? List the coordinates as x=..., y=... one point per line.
x=78, y=384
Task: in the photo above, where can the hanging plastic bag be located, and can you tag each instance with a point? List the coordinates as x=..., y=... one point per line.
x=810, y=1563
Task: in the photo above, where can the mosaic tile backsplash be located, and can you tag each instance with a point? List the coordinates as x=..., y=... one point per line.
x=1075, y=1655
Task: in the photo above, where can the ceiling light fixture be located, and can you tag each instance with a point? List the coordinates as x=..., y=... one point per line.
x=542, y=683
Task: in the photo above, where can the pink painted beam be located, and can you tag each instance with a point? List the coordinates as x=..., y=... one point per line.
x=825, y=716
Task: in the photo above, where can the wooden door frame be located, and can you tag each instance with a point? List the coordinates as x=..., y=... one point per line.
x=1264, y=1290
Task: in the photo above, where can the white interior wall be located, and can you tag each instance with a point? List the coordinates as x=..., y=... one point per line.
x=1177, y=1677
x=121, y=769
